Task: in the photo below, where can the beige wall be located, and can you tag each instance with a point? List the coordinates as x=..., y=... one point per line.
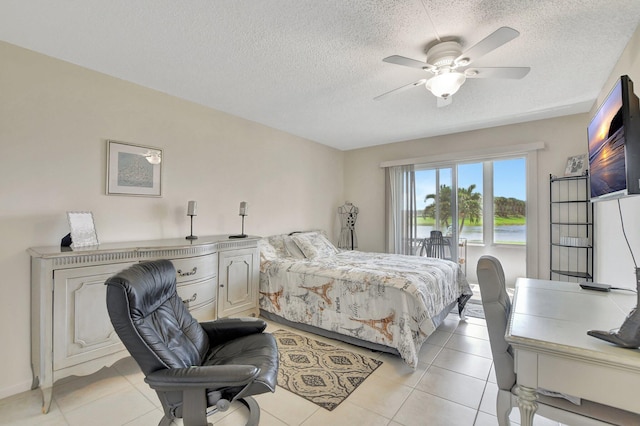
x=364, y=179
x=54, y=120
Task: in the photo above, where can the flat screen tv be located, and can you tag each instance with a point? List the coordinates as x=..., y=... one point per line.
x=614, y=144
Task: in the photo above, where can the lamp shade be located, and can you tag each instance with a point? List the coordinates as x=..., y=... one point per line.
x=244, y=208
x=445, y=84
x=191, y=208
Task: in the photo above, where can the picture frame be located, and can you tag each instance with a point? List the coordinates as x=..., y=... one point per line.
x=576, y=165
x=83, y=229
x=133, y=169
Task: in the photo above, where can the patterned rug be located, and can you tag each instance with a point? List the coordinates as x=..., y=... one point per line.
x=472, y=309
x=321, y=373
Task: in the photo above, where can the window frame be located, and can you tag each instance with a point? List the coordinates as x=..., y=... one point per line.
x=529, y=152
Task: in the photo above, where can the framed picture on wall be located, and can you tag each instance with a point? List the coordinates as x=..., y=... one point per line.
x=576, y=165
x=133, y=169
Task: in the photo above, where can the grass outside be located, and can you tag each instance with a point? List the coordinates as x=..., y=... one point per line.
x=500, y=221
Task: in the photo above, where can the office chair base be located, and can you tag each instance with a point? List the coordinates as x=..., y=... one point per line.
x=254, y=410
x=247, y=401
x=252, y=406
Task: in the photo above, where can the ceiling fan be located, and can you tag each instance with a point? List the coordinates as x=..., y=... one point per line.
x=449, y=65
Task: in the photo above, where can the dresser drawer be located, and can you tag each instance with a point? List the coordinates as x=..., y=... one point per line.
x=195, y=268
x=197, y=293
x=205, y=312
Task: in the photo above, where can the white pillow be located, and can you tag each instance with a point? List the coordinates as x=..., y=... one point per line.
x=267, y=251
x=292, y=248
x=314, y=244
x=277, y=242
x=284, y=246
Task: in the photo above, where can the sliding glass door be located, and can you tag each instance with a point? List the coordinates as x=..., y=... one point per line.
x=486, y=214
x=485, y=201
x=436, y=204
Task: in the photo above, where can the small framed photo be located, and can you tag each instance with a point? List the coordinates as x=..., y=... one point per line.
x=576, y=165
x=133, y=170
x=83, y=229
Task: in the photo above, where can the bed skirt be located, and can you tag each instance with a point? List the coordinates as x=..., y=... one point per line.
x=437, y=320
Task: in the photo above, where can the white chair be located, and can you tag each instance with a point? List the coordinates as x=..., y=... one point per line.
x=497, y=306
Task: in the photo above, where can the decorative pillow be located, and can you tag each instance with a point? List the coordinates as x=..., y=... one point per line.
x=314, y=244
x=292, y=248
x=267, y=251
x=277, y=241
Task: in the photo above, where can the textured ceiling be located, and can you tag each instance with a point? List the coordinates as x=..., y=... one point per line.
x=313, y=67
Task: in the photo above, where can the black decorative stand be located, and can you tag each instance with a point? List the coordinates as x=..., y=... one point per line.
x=191, y=236
x=242, y=235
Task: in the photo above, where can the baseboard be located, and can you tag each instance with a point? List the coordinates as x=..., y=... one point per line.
x=15, y=389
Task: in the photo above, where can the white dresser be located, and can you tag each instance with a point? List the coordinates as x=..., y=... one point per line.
x=71, y=333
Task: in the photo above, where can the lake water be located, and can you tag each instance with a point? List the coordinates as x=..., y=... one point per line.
x=505, y=233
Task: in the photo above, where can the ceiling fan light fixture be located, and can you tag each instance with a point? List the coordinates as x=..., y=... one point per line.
x=448, y=63
x=444, y=53
x=445, y=84
x=445, y=61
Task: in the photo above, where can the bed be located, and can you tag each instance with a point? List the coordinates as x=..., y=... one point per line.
x=384, y=302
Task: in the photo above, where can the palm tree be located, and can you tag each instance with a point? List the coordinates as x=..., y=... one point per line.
x=444, y=203
x=469, y=205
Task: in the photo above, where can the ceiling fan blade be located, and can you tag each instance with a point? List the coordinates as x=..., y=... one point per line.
x=407, y=62
x=497, y=72
x=400, y=89
x=494, y=40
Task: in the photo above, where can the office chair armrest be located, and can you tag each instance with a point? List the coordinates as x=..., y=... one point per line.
x=225, y=329
x=205, y=377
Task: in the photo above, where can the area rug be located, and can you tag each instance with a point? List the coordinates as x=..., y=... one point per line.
x=319, y=372
x=474, y=310
x=471, y=309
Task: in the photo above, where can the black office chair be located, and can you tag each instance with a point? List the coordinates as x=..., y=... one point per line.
x=192, y=366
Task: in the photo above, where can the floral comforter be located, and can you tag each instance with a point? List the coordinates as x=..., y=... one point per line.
x=382, y=298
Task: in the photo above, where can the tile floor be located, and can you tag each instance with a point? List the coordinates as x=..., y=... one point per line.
x=453, y=385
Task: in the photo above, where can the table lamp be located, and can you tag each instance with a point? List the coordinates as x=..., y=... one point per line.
x=243, y=212
x=191, y=211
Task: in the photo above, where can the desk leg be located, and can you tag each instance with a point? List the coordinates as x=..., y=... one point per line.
x=47, y=394
x=527, y=403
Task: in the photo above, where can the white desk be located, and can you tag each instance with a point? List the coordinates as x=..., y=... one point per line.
x=548, y=332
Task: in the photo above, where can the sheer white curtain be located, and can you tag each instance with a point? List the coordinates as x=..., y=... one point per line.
x=400, y=202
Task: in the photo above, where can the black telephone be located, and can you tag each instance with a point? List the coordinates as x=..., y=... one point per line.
x=595, y=286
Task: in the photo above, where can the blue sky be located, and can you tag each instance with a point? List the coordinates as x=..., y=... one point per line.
x=509, y=179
